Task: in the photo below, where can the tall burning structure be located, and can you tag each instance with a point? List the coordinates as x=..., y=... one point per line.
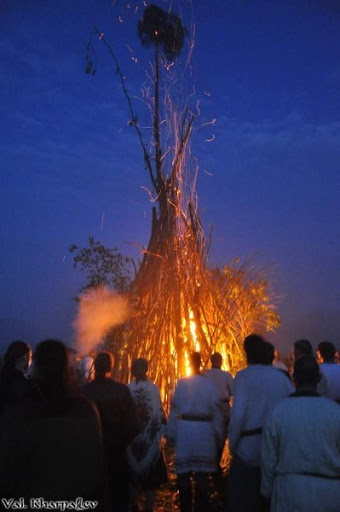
x=179, y=303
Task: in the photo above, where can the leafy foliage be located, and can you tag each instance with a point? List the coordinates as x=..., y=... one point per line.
x=158, y=27
x=103, y=266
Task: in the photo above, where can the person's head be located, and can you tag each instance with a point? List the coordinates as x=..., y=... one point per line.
x=195, y=362
x=327, y=351
x=302, y=348
x=216, y=360
x=18, y=356
x=103, y=364
x=269, y=353
x=139, y=369
x=306, y=373
x=255, y=349
x=50, y=367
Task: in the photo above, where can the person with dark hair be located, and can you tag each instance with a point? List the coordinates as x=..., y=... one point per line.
x=301, y=348
x=257, y=389
x=145, y=457
x=301, y=447
x=14, y=384
x=196, y=427
x=119, y=426
x=330, y=370
x=269, y=353
x=51, y=442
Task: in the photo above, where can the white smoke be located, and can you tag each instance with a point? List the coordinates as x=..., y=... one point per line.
x=99, y=310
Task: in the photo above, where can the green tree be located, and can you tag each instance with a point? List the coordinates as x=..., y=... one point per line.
x=103, y=266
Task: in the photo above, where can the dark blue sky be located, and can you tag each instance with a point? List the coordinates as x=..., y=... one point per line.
x=272, y=74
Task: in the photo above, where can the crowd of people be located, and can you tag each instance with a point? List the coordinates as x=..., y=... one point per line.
x=100, y=444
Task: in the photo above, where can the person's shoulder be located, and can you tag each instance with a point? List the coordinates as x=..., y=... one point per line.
x=117, y=385
x=246, y=372
x=330, y=406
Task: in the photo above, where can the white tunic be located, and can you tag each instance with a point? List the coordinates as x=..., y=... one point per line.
x=196, y=425
x=144, y=449
x=223, y=380
x=302, y=436
x=257, y=389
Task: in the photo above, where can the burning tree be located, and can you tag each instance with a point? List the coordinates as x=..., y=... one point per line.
x=180, y=304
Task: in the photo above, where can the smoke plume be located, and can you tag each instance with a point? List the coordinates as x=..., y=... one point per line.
x=99, y=310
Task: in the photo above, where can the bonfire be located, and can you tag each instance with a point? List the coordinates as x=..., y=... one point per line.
x=181, y=304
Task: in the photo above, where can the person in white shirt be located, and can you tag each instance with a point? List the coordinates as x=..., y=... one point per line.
x=257, y=389
x=329, y=369
x=196, y=428
x=224, y=382
x=301, y=448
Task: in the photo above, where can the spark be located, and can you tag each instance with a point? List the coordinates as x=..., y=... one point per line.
x=129, y=48
x=152, y=198
x=63, y=259
x=134, y=59
x=102, y=222
x=213, y=121
x=211, y=139
x=207, y=93
x=193, y=90
x=120, y=19
x=208, y=173
x=198, y=107
x=101, y=36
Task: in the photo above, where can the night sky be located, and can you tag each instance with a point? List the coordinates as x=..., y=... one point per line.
x=267, y=71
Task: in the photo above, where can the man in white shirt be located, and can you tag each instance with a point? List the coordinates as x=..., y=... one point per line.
x=196, y=427
x=329, y=369
x=257, y=389
x=301, y=448
x=224, y=382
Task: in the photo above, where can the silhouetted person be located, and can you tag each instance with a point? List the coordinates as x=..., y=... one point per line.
x=301, y=448
x=146, y=463
x=119, y=426
x=330, y=369
x=302, y=348
x=196, y=426
x=14, y=384
x=51, y=443
x=257, y=389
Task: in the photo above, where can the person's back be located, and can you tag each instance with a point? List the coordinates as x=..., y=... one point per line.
x=301, y=449
x=52, y=449
x=119, y=426
x=51, y=443
x=115, y=405
x=222, y=379
x=257, y=389
x=196, y=426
